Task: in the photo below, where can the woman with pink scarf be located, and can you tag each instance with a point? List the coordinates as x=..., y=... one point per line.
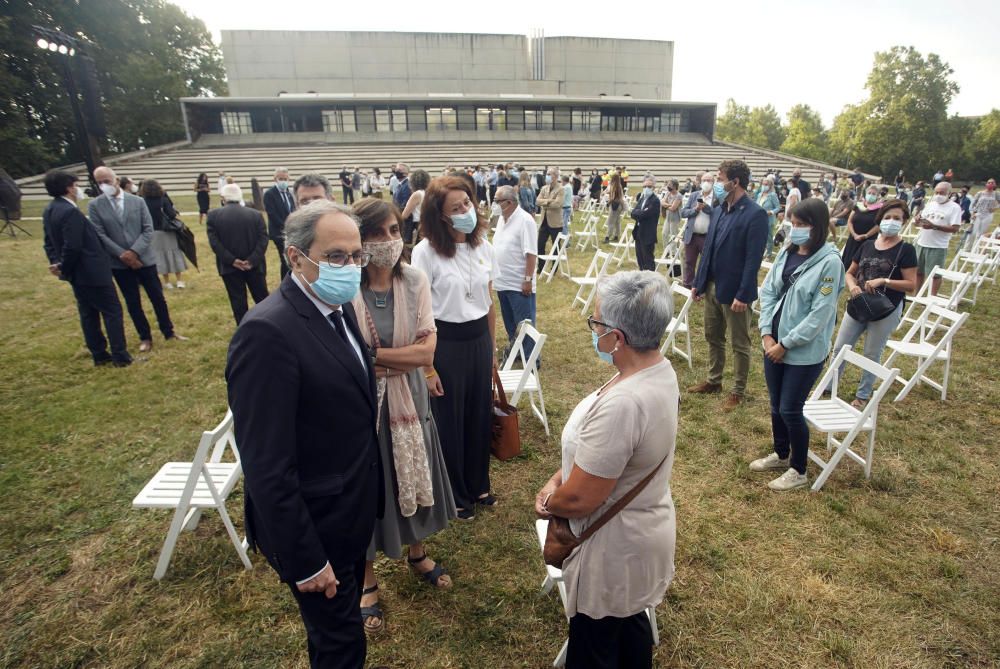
x=397, y=323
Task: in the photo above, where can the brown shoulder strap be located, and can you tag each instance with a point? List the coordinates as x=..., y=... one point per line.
x=501, y=395
x=623, y=502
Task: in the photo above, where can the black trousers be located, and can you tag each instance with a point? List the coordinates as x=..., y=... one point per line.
x=279, y=243
x=493, y=192
x=464, y=361
x=335, y=633
x=481, y=193
x=128, y=281
x=348, y=194
x=610, y=643
x=546, y=233
x=95, y=303
x=237, y=284
x=644, y=252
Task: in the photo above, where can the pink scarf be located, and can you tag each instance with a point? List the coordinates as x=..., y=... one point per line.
x=409, y=453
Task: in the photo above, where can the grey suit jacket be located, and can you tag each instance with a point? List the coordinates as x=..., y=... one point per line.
x=133, y=231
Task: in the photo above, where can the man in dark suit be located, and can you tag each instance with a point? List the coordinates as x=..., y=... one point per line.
x=727, y=277
x=302, y=392
x=646, y=215
x=76, y=255
x=125, y=227
x=237, y=236
x=278, y=203
x=401, y=196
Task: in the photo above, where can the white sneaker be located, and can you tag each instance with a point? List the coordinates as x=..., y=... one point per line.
x=181, y=284
x=790, y=480
x=770, y=462
x=169, y=286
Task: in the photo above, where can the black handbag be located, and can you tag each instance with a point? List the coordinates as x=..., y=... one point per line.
x=870, y=307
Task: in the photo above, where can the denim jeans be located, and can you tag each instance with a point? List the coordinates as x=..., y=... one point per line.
x=789, y=386
x=514, y=308
x=567, y=216
x=878, y=333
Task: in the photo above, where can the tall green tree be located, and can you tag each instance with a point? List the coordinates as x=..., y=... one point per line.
x=148, y=55
x=984, y=148
x=760, y=126
x=733, y=124
x=805, y=135
x=903, y=123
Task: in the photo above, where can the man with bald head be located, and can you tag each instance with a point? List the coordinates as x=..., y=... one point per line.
x=125, y=227
x=516, y=254
x=302, y=392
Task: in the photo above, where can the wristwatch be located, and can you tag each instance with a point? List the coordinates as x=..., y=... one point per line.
x=528, y=278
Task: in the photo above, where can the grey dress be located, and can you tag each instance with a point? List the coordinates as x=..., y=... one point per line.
x=393, y=531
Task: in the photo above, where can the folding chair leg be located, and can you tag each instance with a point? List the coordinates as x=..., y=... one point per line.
x=192, y=520
x=651, y=612
x=831, y=464
x=560, y=660
x=542, y=415
x=171, y=541
x=871, y=452
x=547, y=585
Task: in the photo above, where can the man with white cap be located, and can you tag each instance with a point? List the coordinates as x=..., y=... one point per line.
x=239, y=239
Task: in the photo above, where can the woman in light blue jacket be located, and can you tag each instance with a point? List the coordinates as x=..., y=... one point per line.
x=768, y=201
x=798, y=311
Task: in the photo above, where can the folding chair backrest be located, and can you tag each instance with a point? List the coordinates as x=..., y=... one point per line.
x=679, y=291
x=524, y=329
x=934, y=319
x=846, y=355
x=222, y=437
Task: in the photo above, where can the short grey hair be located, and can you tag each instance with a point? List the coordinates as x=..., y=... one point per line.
x=505, y=192
x=279, y=170
x=300, y=226
x=943, y=184
x=312, y=180
x=639, y=304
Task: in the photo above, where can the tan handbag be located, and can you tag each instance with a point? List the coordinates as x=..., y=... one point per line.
x=506, y=442
x=559, y=538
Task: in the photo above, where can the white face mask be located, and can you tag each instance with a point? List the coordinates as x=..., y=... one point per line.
x=80, y=194
x=940, y=199
x=108, y=190
x=134, y=189
x=706, y=186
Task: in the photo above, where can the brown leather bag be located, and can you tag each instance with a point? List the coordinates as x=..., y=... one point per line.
x=506, y=442
x=559, y=538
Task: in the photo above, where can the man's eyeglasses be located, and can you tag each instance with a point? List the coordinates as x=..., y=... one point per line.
x=339, y=259
x=591, y=322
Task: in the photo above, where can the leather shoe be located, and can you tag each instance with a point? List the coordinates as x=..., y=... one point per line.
x=705, y=388
x=145, y=346
x=732, y=401
x=177, y=337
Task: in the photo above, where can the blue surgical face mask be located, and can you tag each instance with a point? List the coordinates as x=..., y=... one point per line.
x=606, y=357
x=871, y=198
x=800, y=236
x=548, y=178
x=335, y=285
x=647, y=191
x=282, y=185
x=765, y=188
x=465, y=222
x=720, y=191
x=890, y=227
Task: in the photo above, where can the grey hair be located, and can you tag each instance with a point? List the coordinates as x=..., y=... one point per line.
x=300, y=226
x=312, y=180
x=505, y=192
x=946, y=184
x=279, y=170
x=639, y=304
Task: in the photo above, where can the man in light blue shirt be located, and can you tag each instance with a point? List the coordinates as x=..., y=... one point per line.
x=567, y=208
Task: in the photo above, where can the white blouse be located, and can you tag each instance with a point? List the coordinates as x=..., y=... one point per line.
x=460, y=285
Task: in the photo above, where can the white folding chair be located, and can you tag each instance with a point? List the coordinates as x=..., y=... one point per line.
x=835, y=416
x=624, y=248
x=588, y=283
x=672, y=256
x=678, y=325
x=980, y=265
x=557, y=259
x=923, y=342
x=517, y=382
x=960, y=284
x=189, y=487
x=554, y=578
x=588, y=235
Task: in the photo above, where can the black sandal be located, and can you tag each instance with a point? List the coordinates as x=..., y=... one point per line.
x=372, y=612
x=488, y=500
x=433, y=577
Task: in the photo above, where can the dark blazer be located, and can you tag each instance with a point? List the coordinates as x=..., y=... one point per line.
x=647, y=218
x=161, y=209
x=304, y=417
x=277, y=211
x=236, y=232
x=734, y=247
x=72, y=243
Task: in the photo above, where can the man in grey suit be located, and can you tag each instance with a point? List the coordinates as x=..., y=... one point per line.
x=125, y=228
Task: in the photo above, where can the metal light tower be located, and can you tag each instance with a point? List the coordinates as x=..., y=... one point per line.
x=67, y=48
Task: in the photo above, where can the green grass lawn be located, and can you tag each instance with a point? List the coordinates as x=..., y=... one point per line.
x=897, y=571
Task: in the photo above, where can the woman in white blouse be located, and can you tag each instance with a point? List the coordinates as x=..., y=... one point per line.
x=615, y=438
x=460, y=264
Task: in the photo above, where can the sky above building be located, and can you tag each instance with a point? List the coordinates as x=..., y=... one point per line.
x=779, y=53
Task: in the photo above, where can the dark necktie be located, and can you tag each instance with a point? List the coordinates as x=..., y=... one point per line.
x=288, y=201
x=337, y=317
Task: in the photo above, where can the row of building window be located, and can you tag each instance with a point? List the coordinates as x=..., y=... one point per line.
x=394, y=119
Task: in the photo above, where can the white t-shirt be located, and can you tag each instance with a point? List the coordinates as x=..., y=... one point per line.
x=460, y=285
x=513, y=240
x=946, y=214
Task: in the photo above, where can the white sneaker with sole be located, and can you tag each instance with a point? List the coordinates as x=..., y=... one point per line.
x=168, y=286
x=790, y=480
x=770, y=462
x=181, y=284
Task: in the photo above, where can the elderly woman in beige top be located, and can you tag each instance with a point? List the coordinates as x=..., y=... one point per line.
x=614, y=438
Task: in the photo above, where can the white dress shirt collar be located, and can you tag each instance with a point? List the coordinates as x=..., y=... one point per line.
x=324, y=308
